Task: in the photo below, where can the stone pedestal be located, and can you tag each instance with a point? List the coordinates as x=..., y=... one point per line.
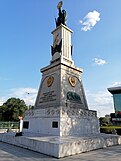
x=60, y=122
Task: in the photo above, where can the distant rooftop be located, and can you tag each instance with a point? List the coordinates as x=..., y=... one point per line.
x=115, y=90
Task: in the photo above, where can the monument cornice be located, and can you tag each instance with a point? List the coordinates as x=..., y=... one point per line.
x=59, y=64
x=61, y=27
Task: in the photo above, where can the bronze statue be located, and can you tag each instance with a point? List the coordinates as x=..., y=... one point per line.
x=62, y=15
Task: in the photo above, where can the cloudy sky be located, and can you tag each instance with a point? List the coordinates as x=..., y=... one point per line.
x=25, y=40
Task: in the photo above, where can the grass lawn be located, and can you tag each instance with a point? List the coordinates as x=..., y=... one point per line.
x=110, y=127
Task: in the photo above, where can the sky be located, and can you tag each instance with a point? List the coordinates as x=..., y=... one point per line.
x=25, y=40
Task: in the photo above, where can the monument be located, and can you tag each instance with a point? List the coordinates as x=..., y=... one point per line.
x=61, y=124
x=61, y=108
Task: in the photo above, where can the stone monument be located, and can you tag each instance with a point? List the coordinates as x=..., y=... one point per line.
x=61, y=108
x=60, y=124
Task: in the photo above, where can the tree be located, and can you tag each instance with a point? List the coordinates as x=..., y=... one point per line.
x=12, y=109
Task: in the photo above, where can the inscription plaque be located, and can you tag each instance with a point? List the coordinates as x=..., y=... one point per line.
x=48, y=97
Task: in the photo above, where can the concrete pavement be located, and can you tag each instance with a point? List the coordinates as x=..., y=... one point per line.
x=12, y=153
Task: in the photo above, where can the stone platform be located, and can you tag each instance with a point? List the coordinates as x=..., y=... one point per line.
x=59, y=147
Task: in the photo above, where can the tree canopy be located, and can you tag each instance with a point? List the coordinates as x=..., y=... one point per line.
x=12, y=109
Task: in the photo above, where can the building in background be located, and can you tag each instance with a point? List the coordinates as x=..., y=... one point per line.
x=116, y=117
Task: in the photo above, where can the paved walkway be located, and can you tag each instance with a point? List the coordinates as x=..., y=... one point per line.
x=12, y=153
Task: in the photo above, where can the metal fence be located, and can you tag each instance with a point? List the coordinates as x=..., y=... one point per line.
x=9, y=125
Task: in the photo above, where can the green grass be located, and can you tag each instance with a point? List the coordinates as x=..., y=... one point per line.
x=110, y=127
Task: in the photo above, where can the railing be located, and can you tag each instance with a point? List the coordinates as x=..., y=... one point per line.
x=9, y=125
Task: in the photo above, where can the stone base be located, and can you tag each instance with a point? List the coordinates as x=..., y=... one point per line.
x=59, y=147
x=70, y=121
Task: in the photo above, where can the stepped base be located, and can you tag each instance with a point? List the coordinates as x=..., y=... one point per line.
x=59, y=147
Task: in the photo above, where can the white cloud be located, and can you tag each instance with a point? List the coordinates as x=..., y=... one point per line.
x=1, y=101
x=27, y=94
x=90, y=20
x=99, y=62
x=115, y=84
x=100, y=101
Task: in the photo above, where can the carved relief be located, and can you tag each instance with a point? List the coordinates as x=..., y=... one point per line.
x=72, y=81
x=79, y=113
x=74, y=97
x=50, y=81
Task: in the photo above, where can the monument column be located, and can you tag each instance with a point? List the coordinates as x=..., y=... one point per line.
x=62, y=47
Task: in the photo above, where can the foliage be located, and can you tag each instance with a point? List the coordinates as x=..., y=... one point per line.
x=104, y=121
x=110, y=127
x=106, y=126
x=11, y=109
x=108, y=130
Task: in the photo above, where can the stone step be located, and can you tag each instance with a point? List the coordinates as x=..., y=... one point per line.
x=59, y=147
